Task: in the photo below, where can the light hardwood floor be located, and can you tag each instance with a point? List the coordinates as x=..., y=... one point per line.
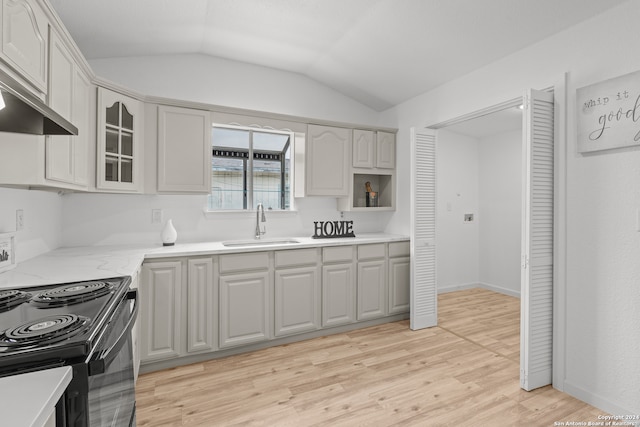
x=462, y=373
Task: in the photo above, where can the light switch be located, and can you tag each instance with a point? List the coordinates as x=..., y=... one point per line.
x=156, y=216
x=448, y=206
x=468, y=217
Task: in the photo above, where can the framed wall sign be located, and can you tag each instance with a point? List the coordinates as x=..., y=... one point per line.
x=7, y=251
x=608, y=114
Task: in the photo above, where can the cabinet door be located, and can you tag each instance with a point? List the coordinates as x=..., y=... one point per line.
x=160, y=310
x=327, y=161
x=59, y=151
x=363, y=148
x=135, y=331
x=120, y=139
x=184, y=150
x=200, y=305
x=399, y=282
x=386, y=150
x=25, y=40
x=244, y=308
x=297, y=300
x=81, y=114
x=338, y=294
x=371, y=289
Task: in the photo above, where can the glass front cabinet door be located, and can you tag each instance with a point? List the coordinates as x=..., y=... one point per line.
x=120, y=142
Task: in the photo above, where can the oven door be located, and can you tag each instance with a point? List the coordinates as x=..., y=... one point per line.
x=111, y=380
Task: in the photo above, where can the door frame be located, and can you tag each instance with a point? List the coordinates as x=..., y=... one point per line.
x=560, y=212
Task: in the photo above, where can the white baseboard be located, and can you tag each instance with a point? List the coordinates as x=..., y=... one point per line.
x=500, y=289
x=488, y=286
x=460, y=287
x=598, y=401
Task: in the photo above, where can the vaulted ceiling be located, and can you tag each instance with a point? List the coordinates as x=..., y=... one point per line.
x=378, y=52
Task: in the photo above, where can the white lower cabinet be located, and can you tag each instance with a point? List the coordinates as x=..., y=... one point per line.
x=177, y=308
x=201, y=304
x=198, y=305
x=399, y=277
x=160, y=310
x=399, y=271
x=297, y=292
x=372, y=281
x=135, y=331
x=244, y=308
x=338, y=286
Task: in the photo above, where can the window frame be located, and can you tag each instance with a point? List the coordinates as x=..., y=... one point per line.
x=248, y=167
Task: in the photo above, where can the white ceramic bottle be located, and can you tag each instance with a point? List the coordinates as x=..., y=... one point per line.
x=169, y=234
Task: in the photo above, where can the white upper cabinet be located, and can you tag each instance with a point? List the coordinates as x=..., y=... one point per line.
x=385, y=150
x=328, y=159
x=25, y=40
x=120, y=140
x=363, y=148
x=69, y=95
x=374, y=149
x=184, y=150
x=373, y=166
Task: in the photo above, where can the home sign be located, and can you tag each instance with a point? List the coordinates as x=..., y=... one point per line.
x=609, y=114
x=332, y=229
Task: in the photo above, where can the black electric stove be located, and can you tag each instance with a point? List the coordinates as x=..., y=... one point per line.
x=85, y=325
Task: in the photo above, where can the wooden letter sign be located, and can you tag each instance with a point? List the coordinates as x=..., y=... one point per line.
x=332, y=229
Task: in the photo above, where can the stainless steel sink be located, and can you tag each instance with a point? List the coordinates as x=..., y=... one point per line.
x=270, y=242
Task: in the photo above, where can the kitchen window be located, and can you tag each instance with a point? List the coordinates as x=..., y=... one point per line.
x=250, y=166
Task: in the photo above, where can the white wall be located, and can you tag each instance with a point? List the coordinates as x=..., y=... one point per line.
x=112, y=219
x=457, y=194
x=479, y=176
x=500, y=207
x=228, y=83
x=599, y=297
x=42, y=214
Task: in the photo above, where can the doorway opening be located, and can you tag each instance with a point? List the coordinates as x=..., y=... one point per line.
x=479, y=203
x=537, y=233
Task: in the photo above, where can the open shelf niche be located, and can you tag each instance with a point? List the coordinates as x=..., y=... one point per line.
x=381, y=183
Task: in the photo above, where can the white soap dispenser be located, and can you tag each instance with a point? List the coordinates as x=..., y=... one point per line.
x=169, y=234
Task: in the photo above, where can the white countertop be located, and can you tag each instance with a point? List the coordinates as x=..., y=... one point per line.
x=27, y=400
x=75, y=264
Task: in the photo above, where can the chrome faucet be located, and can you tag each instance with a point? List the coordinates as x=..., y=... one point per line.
x=258, y=220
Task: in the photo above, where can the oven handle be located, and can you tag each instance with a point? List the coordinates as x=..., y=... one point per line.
x=99, y=365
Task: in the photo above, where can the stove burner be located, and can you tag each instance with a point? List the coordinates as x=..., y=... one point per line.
x=46, y=330
x=72, y=294
x=11, y=298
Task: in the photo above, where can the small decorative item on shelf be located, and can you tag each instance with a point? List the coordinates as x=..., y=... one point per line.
x=169, y=234
x=372, y=196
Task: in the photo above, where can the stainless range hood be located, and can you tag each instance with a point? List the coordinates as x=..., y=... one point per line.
x=26, y=113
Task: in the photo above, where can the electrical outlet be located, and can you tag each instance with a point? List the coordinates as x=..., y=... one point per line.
x=19, y=219
x=156, y=216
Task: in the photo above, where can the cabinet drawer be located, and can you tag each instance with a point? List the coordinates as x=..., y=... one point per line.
x=244, y=262
x=397, y=249
x=296, y=257
x=371, y=251
x=337, y=254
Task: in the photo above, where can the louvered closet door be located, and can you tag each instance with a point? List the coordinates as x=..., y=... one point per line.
x=424, y=295
x=537, y=242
